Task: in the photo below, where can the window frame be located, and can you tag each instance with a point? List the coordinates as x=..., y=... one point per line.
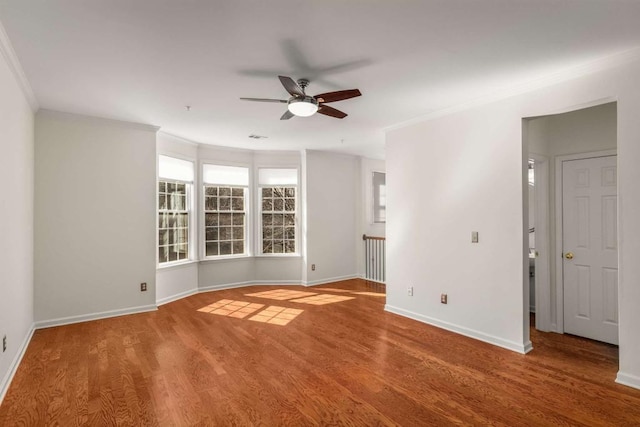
x=247, y=212
x=373, y=198
x=189, y=210
x=296, y=212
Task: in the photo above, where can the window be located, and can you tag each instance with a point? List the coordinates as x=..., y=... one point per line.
x=225, y=207
x=379, y=197
x=278, y=205
x=175, y=179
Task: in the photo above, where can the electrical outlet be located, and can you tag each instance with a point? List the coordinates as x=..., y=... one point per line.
x=410, y=291
x=443, y=298
x=143, y=287
x=474, y=237
x=4, y=343
x=313, y=267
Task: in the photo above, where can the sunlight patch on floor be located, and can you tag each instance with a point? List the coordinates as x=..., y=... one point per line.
x=322, y=299
x=231, y=308
x=276, y=315
x=281, y=294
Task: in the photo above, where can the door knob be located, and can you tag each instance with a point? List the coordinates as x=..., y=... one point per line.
x=568, y=255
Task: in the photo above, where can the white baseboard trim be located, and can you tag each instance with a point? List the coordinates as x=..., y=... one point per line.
x=628, y=380
x=94, y=316
x=176, y=297
x=6, y=381
x=248, y=283
x=471, y=333
x=330, y=280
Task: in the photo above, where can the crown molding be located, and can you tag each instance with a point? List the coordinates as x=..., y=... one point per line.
x=16, y=69
x=598, y=65
x=61, y=115
x=180, y=139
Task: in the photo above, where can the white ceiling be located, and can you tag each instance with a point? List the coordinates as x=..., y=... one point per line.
x=145, y=60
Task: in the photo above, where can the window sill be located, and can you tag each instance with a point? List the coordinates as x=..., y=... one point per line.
x=226, y=258
x=276, y=256
x=249, y=257
x=173, y=265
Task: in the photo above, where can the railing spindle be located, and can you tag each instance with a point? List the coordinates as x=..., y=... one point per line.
x=375, y=258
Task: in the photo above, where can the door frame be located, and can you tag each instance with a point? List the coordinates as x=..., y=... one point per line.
x=542, y=261
x=559, y=327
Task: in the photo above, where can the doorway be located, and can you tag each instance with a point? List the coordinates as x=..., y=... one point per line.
x=550, y=140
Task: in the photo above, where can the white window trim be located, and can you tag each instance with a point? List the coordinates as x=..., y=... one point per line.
x=372, y=207
x=190, y=230
x=248, y=241
x=247, y=205
x=258, y=200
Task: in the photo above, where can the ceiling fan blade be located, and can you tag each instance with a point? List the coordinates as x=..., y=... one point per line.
x=291, y=86
x=340, y=95
x=287, y=115
x=329, y=111
x=265, y=100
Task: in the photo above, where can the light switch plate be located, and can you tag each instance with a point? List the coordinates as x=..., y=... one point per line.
x=474, y=237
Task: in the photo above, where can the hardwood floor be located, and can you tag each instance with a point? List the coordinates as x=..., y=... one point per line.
x=312, y=361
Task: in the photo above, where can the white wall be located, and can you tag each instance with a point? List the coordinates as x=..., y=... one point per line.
x=182, y=280
x=332, y=192
x=444, y=180
x=450, y=175
x=16, y=221
x=581, y=131
x=95, y=210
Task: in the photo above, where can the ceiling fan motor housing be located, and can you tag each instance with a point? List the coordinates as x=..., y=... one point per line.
x=303, y=106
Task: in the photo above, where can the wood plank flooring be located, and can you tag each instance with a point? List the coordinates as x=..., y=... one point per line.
x=337, y=362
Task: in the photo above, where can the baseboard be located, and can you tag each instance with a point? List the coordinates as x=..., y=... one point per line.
x=94, y=316
x=176, y=297
x=471, y=333
x=6, y=381
x=628, y=380
x=330, y=280
x=248, y=283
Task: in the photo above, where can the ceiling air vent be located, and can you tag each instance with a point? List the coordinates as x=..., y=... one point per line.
x=254, y=136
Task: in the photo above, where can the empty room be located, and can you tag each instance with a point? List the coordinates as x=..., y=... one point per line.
x=303, y=213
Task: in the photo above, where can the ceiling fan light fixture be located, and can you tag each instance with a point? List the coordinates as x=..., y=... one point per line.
x=303, y=107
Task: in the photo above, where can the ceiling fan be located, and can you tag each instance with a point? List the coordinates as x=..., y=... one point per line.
x=303, y=105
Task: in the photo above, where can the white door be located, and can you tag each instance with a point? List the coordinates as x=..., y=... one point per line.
x=590, y=248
